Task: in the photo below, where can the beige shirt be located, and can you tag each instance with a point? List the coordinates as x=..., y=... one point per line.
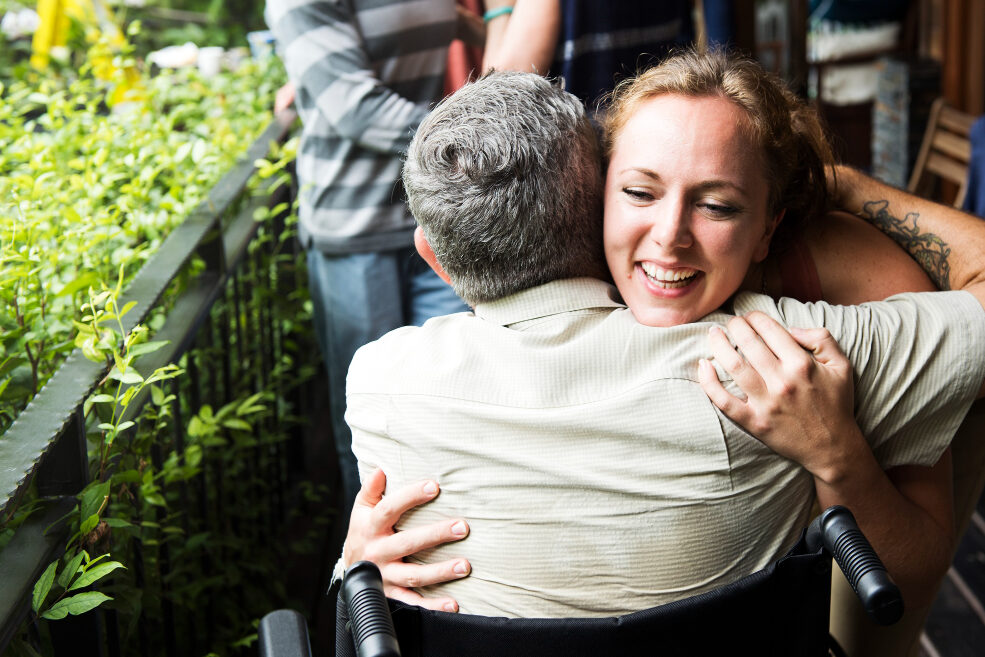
x=596, y=476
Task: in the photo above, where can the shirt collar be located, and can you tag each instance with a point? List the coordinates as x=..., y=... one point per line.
x=551, y=298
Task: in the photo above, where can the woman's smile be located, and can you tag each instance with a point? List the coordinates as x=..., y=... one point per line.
x=679, y=280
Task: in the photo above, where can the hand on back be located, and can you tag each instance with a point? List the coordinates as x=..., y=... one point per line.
x=372, y=537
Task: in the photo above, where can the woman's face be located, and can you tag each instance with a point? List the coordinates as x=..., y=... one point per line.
x=685, y=208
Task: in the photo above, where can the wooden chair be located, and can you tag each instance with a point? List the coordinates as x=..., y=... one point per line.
x=944, y=153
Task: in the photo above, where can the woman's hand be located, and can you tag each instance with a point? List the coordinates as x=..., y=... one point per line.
x=798, y=387
x=371, y=537
x=799, y=402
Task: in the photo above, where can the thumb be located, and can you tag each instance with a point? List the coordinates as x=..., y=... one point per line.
x=372, y=489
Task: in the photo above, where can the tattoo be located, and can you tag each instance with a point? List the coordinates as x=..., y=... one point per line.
x=929, y=250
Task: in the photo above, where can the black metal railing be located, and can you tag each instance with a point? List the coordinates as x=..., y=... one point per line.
x=224, y=311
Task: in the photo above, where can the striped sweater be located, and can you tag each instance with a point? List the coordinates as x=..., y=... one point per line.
x=366, y=72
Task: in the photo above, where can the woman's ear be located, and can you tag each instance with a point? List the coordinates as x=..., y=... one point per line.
x=763, y=248
x=424, y=249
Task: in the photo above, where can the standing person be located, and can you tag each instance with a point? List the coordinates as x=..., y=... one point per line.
x=365, y=73
x=593, y=43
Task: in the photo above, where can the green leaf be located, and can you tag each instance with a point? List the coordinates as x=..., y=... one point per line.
x=199, y=150
x=89, y=524
x=146, y=347
x=75, y=605
x=126, y=477
x=155, y=499
x=94, y=574
x=84, y=281
x=73, y=567
x=126, y=308
x=236, y=423
x=193, y=455
x=195, y=427
x=91, y=499
x=130, y=377
x=183, y=151
x=43, y=586
x=119, y=523
x=102, y=399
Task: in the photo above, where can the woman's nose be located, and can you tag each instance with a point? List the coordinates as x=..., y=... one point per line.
x=671, y=225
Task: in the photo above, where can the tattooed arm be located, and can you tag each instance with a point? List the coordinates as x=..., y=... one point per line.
x=947, y=243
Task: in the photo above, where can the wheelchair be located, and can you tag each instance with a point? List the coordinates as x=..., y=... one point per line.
x=781, y=610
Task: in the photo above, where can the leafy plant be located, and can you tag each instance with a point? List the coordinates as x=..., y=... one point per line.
x=80, y=572
x=87, y=195
x=84, y=192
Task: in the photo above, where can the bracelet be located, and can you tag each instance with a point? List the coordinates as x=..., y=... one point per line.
x=496, y=13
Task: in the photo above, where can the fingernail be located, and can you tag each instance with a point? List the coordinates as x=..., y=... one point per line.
x=461, y=568
x=459, y=528
x=430, y=488
x=451, y=606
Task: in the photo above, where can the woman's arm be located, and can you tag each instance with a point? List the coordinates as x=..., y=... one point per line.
x=524, y=40
x=947, y=243
x=799, y=402
x=856, y=263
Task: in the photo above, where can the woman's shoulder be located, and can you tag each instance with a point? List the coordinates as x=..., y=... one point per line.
x=856, y=262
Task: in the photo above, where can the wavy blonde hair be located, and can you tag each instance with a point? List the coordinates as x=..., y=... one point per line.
x=794, y=149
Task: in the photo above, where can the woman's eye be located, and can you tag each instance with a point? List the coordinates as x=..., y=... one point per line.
x=718, y=209
x=637, y=194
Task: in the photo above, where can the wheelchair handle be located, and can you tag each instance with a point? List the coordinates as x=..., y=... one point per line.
x=838, y=532
x=369, y=615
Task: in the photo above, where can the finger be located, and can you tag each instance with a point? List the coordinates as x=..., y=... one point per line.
x=776, y=337
x=820, y=342
x=403, y=544
x=752, y=346
x=396, y=503
x=744, y=375
x=414, y=598
x=414, y=575
x=372, y=489
x=728, y=403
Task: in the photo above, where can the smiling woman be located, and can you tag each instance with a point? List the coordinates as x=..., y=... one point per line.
x=708, y=156
x=683, y=223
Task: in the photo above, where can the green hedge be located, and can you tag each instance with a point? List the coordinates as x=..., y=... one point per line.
x=85, y=191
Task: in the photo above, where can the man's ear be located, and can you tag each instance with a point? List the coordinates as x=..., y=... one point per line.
x=424, y=249
x=763, y=249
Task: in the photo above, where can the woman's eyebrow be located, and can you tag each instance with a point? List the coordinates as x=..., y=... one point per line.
x=649, y=173
x=718, y=184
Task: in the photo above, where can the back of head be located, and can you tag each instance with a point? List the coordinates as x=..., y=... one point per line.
x=794, y=151
x=504, y=177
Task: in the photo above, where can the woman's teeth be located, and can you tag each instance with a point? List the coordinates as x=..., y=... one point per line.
x=668, y=278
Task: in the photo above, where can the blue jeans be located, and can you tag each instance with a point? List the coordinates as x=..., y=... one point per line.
x=357, y=298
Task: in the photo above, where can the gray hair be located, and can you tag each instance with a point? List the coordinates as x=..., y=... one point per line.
x=505, y=179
